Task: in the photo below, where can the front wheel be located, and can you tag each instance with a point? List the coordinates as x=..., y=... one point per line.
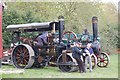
x=67, y=67
x=103, y=60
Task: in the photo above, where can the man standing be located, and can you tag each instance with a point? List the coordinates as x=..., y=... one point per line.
x=88, y=50
x=77, y=53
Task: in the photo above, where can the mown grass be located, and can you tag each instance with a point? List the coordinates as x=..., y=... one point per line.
x=53, y=72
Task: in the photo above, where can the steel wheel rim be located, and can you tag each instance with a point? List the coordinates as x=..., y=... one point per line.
x=94, y=61
x=103, y=60
x=22, y=56
x=66, y=68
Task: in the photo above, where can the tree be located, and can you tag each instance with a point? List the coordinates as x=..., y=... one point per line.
x=13, y=17
x=77, y=15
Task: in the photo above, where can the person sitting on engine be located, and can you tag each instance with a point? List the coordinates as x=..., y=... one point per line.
x=42, y=39
x=85, y=38
x=77, y=54
x=96, y=46
x=88, y=51
x=85, y=32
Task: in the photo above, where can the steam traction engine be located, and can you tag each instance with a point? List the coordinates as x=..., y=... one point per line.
x=23, y=53
x=23, y=50
x=67, y=63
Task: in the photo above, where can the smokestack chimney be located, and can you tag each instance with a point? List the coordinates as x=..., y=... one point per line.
x=61, y=27
x=95, y=27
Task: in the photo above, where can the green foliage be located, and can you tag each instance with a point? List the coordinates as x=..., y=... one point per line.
x=77, y=17
x=109, y=39
x=28, y=17
x=13, y=17
x=9, y=17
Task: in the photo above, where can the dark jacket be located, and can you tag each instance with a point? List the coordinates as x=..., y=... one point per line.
x=76, y=52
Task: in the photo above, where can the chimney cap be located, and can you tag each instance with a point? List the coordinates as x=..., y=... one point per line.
x=60, y=17
x=94, y=19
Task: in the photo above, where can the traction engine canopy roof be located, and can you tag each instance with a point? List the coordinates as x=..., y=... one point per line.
x=30, y=27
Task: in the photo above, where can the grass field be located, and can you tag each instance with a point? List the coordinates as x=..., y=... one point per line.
x=53, y=72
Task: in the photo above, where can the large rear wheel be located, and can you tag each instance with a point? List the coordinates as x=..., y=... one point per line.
x=22, y=56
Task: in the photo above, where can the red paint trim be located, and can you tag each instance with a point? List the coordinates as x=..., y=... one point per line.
x=1, y=49
x=70, y=32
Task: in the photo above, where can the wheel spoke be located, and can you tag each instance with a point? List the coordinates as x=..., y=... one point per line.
x=17, y=58
x=68, y=36
x=18, y=51
x=24, y=63
x=27, y=58
x=26, y=55
x=105, y=62
x=105, y=57
x=98, y=59
x=25, y=50
x=21, y=49
x=17, y=54
x=19, y=61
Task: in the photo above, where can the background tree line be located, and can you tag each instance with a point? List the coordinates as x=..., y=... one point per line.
x=77, y=15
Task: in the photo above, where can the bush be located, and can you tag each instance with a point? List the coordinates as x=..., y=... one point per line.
x=12, y=17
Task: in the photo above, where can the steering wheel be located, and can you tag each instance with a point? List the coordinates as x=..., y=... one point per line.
x=69, y=36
